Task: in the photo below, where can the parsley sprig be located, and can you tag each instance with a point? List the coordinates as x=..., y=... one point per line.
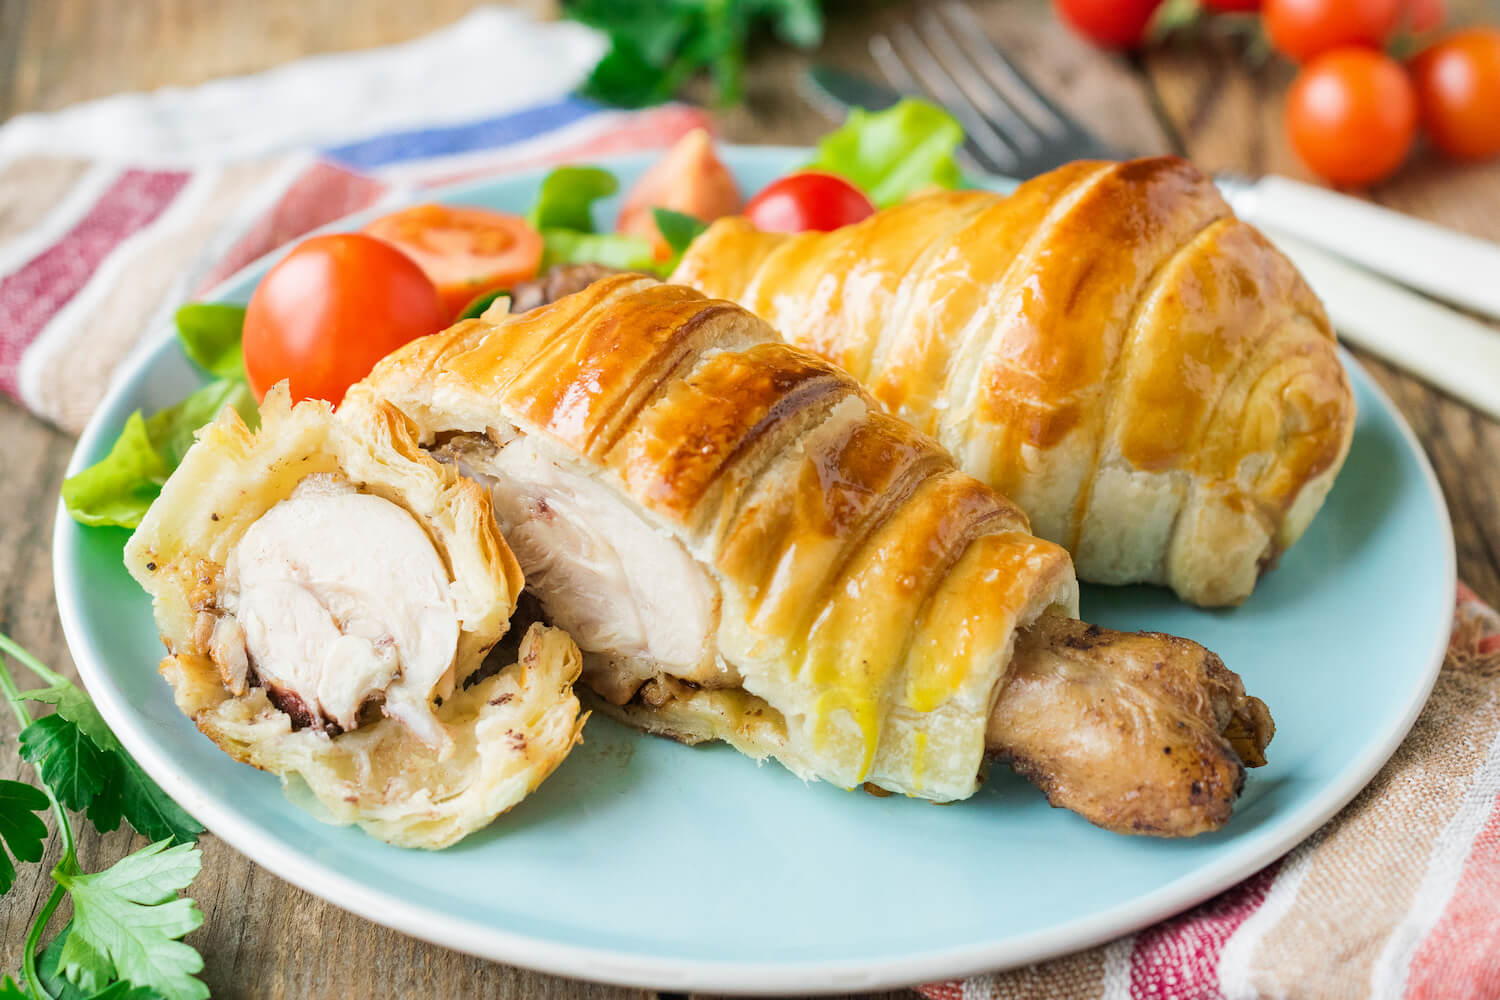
x=123, y=941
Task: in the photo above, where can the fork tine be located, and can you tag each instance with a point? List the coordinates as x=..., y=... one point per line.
x=991, y=102
x=978, y=155
x=914, y=52
x=1005, y=76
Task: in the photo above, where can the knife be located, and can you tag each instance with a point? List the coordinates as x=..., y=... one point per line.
x=1441, y=262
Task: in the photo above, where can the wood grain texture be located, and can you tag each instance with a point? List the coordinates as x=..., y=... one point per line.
x=263, y=938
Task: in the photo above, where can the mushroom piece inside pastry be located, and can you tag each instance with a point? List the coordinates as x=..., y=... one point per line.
x=328, y=596
x=748, y=549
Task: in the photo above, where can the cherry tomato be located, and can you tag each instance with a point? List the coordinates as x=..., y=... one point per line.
x=1424, y=15
x=1303, y=29
x=1351, y=115
x=1114, y=24
x=1233, y=6
x=808, y=200
x=1458, y=91
x=465, y=251
x=332, y=308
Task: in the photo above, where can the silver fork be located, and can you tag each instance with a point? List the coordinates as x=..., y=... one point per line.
x=1011, y=127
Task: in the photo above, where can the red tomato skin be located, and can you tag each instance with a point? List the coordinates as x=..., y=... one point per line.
x=329, y=310
x=1425, y=15
x=1352, y=116
x=808, y=200
x=1111, y=24
x=1458, y=91
x=1305, y=29
x=1233, y=6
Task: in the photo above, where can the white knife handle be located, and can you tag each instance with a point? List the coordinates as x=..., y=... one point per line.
x=1448, y=349
x=1445, y=264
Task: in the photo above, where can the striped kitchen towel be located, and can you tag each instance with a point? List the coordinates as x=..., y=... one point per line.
x=114, y=212
x=1398, y=896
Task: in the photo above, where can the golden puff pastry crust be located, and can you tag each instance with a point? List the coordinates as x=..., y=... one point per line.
x=866, y=593
x=479, y=743
x=1109, y=346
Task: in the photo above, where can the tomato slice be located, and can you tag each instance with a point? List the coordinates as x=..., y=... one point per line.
x=465, y=251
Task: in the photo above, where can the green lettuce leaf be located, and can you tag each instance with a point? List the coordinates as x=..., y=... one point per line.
x=120, y=488
x=171, y=430
x=568, y=246
x=894, y=153
x=210, y=334
x=566, y=198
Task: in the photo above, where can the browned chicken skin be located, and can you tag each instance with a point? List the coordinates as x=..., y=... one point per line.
x=1138, y=732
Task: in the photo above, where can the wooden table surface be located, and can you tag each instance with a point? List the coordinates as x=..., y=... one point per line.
x=263, y=938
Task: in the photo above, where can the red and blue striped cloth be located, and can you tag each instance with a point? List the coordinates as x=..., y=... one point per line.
x=114, y=213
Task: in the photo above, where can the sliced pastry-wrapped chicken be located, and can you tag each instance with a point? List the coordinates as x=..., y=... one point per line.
x=328, y=594
x=748, y=548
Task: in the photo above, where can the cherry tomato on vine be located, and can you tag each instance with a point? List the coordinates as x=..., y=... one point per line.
x=332, y=308
x=1351, y=115
x=1458, y=92
x=807, y=200
x=1303, y=29
x=465, y=251
x=1114, y=24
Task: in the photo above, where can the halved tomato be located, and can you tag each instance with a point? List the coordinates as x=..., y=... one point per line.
x=465, y=251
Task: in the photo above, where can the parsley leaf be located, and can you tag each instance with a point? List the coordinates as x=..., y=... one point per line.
x=656, y=46
x=125, y=991
x=67, y=760
x=20, y=828
x=10, y=991
x=77, y=707
x=149, y=809
x=127, y=921
x=52, y=980
x=122, y=789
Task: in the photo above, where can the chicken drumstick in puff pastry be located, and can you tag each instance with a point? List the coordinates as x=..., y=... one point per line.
x=748, y=549
x=1109, y=346
x=327, y=594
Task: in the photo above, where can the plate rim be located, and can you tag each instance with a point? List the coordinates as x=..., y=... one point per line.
x=623, y=968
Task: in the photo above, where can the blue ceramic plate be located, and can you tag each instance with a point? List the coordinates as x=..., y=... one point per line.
x=647, y=863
